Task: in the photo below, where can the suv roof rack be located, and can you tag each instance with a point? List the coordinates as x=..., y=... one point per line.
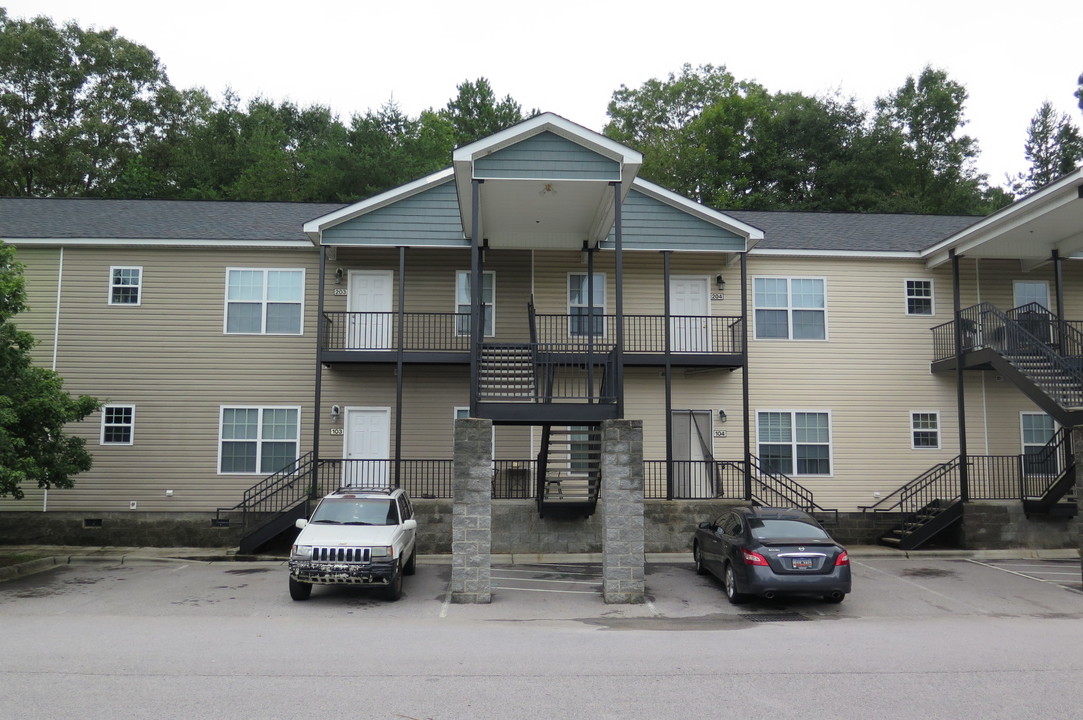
x=362, y=490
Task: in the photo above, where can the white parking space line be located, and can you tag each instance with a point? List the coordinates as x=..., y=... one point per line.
x=1040, y=573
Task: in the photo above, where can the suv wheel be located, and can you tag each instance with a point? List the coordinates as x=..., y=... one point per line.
x=300, y=590
x=393, y=591
x=411, y=565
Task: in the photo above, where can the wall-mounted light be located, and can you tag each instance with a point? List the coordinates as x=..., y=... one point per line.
x=338, y=276
x=720, y=282
x=335, y=412
x=722, y=416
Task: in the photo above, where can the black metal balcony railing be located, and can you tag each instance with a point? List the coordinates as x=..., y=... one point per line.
x=1027, y=328
x=450, y=332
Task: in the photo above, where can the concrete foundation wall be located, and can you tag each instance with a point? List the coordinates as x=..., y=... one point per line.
x=516, y=528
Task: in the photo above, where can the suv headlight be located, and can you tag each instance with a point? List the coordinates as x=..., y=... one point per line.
x=301, y=552
x=383, y=552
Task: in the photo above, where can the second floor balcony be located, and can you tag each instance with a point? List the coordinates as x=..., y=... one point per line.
x=373, y=337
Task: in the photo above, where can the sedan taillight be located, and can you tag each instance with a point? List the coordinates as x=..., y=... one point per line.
x=842, y=559
x=753, y=558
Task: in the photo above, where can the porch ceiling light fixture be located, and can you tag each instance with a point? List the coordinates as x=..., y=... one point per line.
x=547, y=189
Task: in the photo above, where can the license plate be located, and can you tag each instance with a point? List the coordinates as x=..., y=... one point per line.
x=802, y=563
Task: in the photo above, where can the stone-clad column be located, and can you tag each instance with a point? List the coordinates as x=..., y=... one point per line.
x=472, y=512
x=623, y=561
x=1077, y=450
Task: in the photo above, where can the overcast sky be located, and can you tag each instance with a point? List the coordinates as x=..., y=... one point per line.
x=569, y=57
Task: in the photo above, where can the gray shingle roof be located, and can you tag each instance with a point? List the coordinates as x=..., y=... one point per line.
x=156, y=219
x=62, y=218
x=851, y=231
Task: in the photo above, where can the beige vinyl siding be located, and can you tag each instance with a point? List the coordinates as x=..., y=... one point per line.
x=874, y=370
x=169, y=357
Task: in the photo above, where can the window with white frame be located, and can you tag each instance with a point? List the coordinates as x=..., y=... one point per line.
x=919, y=297
x=790, y=308
x=925, y=430
x=1037, y=430
x=258, y=439
x=795, y=442
x=118, y=425
x=264, y=301
x=125, y=285
x=464, y=301
x=580, y=311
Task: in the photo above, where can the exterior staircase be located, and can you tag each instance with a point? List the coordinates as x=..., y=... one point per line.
x=569, y=470
x=506, y=372
x=929, y=504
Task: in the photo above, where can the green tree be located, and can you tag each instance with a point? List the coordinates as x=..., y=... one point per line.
x=76, y=106
x=1053, y=147
x=927, y=115
x=475, y=112
x=34, y=408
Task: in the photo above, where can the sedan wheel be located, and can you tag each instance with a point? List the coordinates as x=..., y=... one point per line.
x=697, y=557
x=730, y=581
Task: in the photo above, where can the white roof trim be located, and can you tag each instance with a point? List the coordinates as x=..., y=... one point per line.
x=750, y=232
x=1061, y=192
x=867, y=254
x=313, y=228
x=162, y=242
x=554, y=123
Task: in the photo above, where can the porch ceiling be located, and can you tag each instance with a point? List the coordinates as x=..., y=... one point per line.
x=556, y=214
x=1028, y=230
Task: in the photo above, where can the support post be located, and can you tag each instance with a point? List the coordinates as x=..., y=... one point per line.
x=476, y=333
x=667, y=330
x=471, y=514
x=618, y=260
x=317, y=402
x=746, y=406
x=624, y=558
x=399, y=367
x=960, y=389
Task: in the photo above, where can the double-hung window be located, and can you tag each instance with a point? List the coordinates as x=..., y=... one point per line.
x=1038, y=459
x=464, y=302
x=790, y=308
x=118, y=425
x=264, y=301
x=580, y=310
x=258, y=439
x=919, y=297
x=925, y=430
x=795, y=442
x=125, y=285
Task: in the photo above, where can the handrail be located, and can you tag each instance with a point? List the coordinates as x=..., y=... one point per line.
x=1055, y=455
x=1040, y=321
x=985, y=325
x=903, y=498
x=277, y=492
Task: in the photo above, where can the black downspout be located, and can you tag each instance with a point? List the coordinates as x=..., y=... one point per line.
x=960, y=394
x=669, y=370
x=476, y=289
x=399, y=365
x=745, y=403
x=317, y=401
x=618, y=259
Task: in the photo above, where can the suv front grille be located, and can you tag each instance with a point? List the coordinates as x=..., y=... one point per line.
x=338, y=554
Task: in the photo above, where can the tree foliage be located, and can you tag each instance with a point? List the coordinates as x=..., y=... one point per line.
x=733, y=144
x=76, y=106
x=475, y=112
x=1053, y=147
x=34, y=450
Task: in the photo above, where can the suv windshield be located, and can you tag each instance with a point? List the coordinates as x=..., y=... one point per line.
x=356, y=511
x=767, y=528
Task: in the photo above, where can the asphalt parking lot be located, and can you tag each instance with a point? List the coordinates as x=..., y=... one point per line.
x=189, y=637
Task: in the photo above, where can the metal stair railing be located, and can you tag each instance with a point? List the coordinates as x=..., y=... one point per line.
x=940, y=482
x=771, y=488
x=985, y=325
x=1043, y=324
x=275, y=493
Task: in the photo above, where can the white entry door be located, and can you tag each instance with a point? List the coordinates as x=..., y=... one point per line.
x=367, y=447
x=370, y=298
x=689, y=304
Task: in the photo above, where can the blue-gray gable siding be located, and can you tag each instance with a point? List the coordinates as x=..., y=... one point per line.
x=429, y=218
x=650, y=224
x=547, y=156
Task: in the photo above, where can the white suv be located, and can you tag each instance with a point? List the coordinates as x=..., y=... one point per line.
x=356, y=536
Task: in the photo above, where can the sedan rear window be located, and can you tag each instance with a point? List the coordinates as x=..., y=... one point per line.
x=768, y=528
